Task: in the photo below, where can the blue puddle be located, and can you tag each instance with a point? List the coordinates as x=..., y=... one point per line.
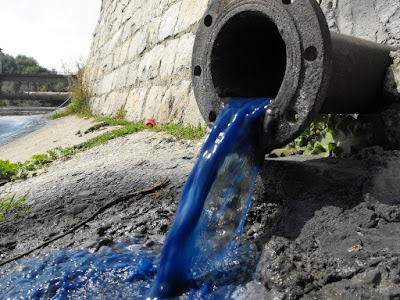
x=121, y=272
x=124, y=271
x=201, y=258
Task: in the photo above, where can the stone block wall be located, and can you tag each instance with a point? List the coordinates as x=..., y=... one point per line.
x=141, y=52
x=140, y=59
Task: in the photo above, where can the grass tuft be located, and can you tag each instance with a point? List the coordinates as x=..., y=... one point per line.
x=80, y=94
x=190, y=132
x=10, y=203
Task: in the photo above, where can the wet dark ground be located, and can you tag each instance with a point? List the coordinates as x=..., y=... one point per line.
x=321, y=229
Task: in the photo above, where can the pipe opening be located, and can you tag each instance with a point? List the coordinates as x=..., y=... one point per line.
x=248, y=58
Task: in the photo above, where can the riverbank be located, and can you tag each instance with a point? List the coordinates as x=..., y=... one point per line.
x=15, y=121
x=63, y=132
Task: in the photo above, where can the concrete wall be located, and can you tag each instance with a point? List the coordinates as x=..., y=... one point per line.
x=141, y=52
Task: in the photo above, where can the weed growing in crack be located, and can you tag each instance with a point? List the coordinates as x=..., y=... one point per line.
x=11, y=203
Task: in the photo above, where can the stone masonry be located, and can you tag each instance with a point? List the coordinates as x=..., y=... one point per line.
x=140, y=60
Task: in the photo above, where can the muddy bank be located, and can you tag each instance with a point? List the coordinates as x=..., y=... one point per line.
x=73, y=189
x=337, y=234
x=322, y=229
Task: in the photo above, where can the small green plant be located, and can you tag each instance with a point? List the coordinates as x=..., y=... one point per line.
x=321, y=139
x=10, y=203
x=183, y=132
x=329, y=135
x=8, y=171
x=59, y=87
x=121, y=113
x=14, y=171
x=80, y=95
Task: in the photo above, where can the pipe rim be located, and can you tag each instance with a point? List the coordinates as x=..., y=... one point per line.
x=308, y=62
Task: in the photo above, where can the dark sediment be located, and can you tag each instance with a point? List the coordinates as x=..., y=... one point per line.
x=337, y=233
x=322, y=229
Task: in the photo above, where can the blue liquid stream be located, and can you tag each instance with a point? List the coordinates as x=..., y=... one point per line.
x=197, y=251
x=215, y=198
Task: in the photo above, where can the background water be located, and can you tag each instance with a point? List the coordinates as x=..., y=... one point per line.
x=16, y=122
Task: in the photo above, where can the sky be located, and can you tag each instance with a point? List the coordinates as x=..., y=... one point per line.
x=57, y=33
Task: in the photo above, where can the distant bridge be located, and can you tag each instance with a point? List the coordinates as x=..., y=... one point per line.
x=41, y=79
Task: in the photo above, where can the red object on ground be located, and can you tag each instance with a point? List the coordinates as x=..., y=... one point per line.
x=149, y=122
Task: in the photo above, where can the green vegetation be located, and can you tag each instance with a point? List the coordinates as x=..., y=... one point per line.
x=9, y=170
x=10, y=203
x=318, y=139
x=80, y=93
x=188, y=132
x=14, y=171
x=328, y=136
x=23, y=64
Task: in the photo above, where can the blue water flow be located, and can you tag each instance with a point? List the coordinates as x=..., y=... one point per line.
x=215, y=198
x=201, y=246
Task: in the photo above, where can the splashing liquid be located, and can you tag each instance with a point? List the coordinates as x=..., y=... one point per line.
x=214, y=200
x=199, y=259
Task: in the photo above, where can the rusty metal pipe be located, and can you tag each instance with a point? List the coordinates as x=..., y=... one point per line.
x=283, y=49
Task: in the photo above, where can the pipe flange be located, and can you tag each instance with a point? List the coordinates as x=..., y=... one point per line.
x=271, y=48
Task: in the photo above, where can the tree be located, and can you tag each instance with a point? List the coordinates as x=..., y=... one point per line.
x=28, y=65
x=9, y=65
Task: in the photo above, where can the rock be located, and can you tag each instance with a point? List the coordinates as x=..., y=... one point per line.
x=392, y=79
x=8, y=242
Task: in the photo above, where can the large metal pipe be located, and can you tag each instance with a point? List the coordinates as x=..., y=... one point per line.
x=283, y=49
